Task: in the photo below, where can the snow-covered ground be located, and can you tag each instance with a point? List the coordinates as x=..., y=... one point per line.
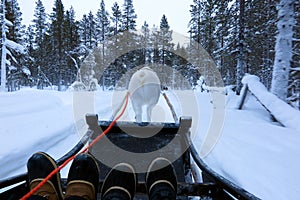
x=252, y=151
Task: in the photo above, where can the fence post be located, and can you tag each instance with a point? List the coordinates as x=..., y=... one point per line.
x=244, y=92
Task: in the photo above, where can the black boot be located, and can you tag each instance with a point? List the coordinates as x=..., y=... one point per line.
x=161, y=180
x=120, y=183
x=83, y=178
x=39, y=166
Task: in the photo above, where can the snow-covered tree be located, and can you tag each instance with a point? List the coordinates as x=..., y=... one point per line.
x=56, y=33
x=88, y=31
x=102, y=23
x=71, y=43
x=129, y=16
x=283, y=48
x=40, y=23
x=88, y=73
x=116, y=19
x=103, y=32
x=8, y=45
x=38, y=31
x=145, y=43
x=165, y=41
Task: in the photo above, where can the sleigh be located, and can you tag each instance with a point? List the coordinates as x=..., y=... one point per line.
x=171, y=140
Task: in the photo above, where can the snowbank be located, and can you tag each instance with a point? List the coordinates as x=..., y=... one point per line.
x=284, y=113
x=32, y=121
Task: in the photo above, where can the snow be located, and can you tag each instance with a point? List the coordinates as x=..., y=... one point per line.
x=252, y=151
x=13, y=45
x=287, y=115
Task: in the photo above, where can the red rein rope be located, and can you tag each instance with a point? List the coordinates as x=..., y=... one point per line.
x=82, y=151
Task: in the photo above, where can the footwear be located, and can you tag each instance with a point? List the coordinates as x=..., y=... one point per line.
x=83, y=178
x=161, y=179
x=121, y=180
x=39, y=166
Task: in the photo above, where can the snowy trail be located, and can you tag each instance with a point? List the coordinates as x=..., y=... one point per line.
x=258, y=154
x=253, y=151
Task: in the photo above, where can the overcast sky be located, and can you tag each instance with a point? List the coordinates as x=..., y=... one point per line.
x=176, y=11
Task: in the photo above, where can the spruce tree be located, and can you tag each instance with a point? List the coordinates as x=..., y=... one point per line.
x=71, y=43
x=40, y=23
x=83, y=30
x=56, y=32
x=12, y=44
x=129, y=16
x=103, y=33
x=116, y=19
x=13, y=14
x=39, y=28
x=145, y=44
x=128, y=38
x=92, y=34
x=195, y=22
x=102, y=23
x=166, y=45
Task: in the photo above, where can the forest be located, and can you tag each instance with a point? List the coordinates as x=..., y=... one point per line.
x=259, y=37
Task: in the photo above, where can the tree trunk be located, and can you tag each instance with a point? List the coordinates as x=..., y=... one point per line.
x=3, y=58
x=283, y=49
x=241, y=57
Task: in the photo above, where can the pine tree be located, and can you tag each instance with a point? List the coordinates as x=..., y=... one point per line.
x=29, y=46
x=129, y=16
x=71, y=43
x=195, y=22
x=166, y=45
x=83, y=30
x=221, y=32
x=116, y=19
x=165, y=49
x=39, y=28
x=92, y=34
x=145, y=44
x=56, y=31
x=71, y=31
x=102, y=23
x=208, y=24
x=13, y=14
x=10, y=45
x=40, y=23
x=103, y=33
x=128, y=39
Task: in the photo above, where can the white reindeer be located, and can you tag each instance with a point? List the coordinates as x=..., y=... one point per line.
x=144, y=90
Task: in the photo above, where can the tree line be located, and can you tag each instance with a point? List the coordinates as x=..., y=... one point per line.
x=239, y=35
x=247, y=37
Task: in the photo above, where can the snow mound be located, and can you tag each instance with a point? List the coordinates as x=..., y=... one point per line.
x=283, y=112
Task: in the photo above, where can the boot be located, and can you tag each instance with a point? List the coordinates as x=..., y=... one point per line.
x=39, y=166
x=83, y=178
x=119, y=183
x=161, y=180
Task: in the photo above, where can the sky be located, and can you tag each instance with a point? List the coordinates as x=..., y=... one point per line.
x=176, y=11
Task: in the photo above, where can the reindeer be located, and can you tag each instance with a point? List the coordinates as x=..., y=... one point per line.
x=144, y=90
